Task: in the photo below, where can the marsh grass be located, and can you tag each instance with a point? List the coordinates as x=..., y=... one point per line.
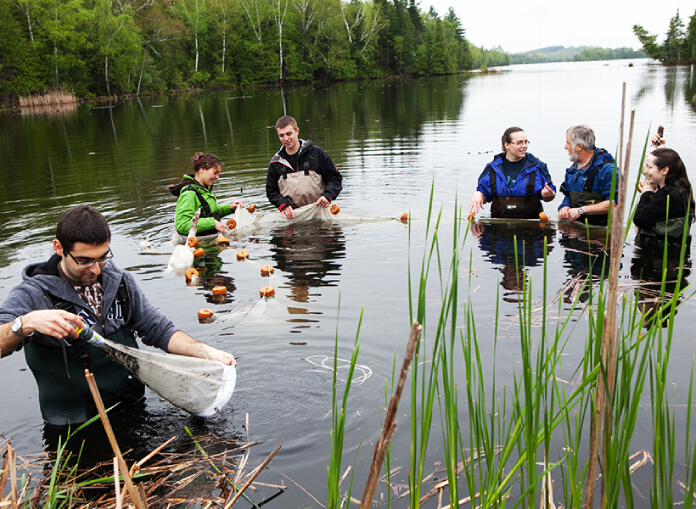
x=51, y=98
x=508, y=445
x=338, y=425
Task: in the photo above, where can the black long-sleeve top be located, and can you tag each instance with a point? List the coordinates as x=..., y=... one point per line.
x=652, y=206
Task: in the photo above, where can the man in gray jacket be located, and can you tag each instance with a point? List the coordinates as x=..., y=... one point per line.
x=79, y=284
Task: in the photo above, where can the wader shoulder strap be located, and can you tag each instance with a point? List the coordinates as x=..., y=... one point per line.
x=204, y=204
x=590, y=178
x=531, y=181
x=491, y=178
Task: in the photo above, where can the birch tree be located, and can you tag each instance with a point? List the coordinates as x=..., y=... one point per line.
x=191, y=12
x=362, y=23
x=279, y=13
x=221, y=22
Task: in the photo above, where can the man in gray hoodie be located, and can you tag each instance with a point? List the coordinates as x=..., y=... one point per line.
x=80, y=284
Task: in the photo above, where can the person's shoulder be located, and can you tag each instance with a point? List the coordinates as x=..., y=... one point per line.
x=534, y=160
x=497, y=160
x=603, y=157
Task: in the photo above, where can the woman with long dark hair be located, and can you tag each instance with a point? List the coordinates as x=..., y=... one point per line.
x=667, y=202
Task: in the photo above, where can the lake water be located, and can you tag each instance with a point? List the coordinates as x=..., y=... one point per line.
x=395, y=143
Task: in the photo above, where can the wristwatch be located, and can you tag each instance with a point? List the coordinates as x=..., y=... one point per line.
x=16, y=328
x=581, y=211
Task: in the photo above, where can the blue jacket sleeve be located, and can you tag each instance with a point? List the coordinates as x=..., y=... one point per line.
x=604, y=176
x=484, y=184
x=545, y=177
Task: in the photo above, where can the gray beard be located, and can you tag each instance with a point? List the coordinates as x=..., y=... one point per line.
x=574, y=157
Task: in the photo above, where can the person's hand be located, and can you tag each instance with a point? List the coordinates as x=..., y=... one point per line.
x=657, y=140
x=52, y=322
x=564, y=213
x=237, y=204
x=322, y=201
x=547, y=194
x=477, y=202
x=573, y=214
x=288, y=212
x=211, y=353
x=220, y=227
x=647, y=186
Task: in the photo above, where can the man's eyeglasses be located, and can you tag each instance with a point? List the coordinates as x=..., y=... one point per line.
x=520, y=142
x=88, y=262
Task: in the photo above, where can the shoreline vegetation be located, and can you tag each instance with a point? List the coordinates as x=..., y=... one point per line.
x=102, y=49
x=678, y=46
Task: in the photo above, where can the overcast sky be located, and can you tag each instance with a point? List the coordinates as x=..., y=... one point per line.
x=522, y=25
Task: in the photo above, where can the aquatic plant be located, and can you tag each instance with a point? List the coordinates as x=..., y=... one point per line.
x=513, y=444
x=338, y=423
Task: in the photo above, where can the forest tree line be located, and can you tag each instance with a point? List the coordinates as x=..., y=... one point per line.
x=573, y=54
x=679, y=45
x=119, y=47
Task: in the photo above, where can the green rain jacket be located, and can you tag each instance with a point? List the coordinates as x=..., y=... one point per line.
x=189, y=202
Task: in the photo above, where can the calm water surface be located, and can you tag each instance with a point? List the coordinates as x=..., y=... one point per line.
x=393, y=142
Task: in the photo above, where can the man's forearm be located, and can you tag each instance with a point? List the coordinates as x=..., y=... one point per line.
x=182, y=344
x=596, y=208
x=8, y=339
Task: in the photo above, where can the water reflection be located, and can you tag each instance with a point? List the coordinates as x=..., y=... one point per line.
x=308, y=255
x=514, y=245
x=648, y=270
x=585, y=254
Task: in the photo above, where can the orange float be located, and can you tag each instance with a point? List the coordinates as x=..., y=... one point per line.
x=205, y=314
x=267, y=291
x=223, y=241
x=267, y=270
x=335, y=209
x=192, y=241
x=242, y=253
x=191, y=273
x=219, y=290
x=198, y=252
x=471, y=217
x=231, y=224
x=543, y=216
x=251, y=208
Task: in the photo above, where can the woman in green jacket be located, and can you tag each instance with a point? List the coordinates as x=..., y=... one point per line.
x=195, y=192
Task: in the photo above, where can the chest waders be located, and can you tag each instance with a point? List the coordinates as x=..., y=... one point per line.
x=301, y=187
x=518, y=207
x=64, y=395
x=672, y=229
x=589, y=197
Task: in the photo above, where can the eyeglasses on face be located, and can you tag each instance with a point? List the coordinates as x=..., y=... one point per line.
x=88, y=262
x=520, y=142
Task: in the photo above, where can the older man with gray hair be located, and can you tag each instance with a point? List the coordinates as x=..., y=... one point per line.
x=587, y=184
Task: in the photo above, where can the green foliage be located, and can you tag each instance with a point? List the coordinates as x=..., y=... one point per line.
x=110, y=47
x=573, y=53
x=590, y=54
x=679, y=45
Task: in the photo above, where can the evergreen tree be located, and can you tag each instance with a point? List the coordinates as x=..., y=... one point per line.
x=648, y=41
x=672, y=47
